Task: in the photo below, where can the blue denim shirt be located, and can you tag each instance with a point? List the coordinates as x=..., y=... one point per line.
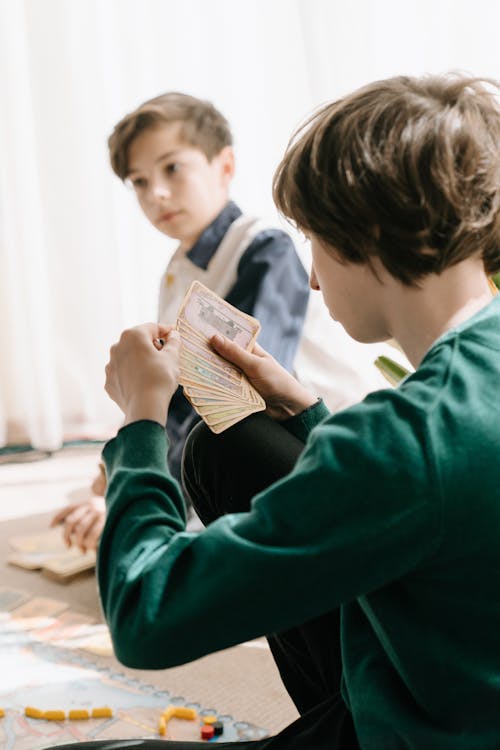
x=271, y=285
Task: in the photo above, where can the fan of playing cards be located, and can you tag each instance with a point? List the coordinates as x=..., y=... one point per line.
x=218, y=391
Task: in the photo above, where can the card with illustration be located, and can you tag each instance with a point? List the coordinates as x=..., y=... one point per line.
x=218, y=391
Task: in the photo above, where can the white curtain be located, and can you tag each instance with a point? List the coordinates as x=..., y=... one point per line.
x=78, y=263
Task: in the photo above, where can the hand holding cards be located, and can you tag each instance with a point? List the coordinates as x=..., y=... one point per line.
x=218, y=391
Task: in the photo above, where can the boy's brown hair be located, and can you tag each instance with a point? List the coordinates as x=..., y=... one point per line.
x=406, y=169
x=202, y=126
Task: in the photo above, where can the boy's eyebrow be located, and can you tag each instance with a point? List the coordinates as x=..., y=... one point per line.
x=167, y=155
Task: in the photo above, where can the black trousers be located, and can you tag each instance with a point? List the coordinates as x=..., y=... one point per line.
x=221, y=474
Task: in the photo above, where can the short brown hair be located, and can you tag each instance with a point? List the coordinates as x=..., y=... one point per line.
x=203, y=126
x=407, y=169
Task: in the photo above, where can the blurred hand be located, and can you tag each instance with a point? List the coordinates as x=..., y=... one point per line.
x=141, y=376
x=283, y=394
x=99, y=482
x=82, y=523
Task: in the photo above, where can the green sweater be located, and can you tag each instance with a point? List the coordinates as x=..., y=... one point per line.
x=392, y=512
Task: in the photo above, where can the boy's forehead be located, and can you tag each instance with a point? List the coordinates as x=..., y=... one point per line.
x=156, y=142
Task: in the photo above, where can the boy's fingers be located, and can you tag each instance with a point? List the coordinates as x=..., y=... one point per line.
x=91, y=538
x=167, y=334
x=259, y=351
x=67, y=534
x=57, y=519
x=163, y=331
x=232, y=352
x=173, y=341
x=61, y=515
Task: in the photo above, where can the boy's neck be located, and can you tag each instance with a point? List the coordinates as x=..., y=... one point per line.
x=187, y=244
x=419, y=316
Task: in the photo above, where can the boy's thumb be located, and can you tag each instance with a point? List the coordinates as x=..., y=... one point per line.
x=231, y=351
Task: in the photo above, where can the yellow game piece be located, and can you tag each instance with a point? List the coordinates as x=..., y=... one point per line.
x=102, y=713
x=56, y=715
x=209, y=719
x=78, y=713
x=181, y=712
x=178, y=712
x=2, y=713
x=33, y=713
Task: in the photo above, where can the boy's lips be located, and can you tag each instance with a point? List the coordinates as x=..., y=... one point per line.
x=168, y=216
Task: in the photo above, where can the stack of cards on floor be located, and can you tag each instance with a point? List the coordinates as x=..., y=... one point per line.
x=47, y=552
x=218, y=391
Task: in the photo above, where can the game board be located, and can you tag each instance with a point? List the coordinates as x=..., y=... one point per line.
x=42, y=665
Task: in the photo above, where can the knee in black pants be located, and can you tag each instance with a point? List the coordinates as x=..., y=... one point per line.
x=222, y=473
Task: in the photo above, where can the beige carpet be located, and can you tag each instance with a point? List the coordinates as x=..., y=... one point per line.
x=242, y=681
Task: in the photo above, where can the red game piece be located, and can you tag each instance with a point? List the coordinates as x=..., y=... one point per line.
x=207, y=732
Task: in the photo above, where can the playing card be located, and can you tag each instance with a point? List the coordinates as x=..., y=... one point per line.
x=208, y=314
x=11, y=598
x=40, y=606
x=192, y=359
x=46, y=542
x=66, y=625
x=197, y=373
x=81, y=637
x=198, y=349
x=98, y=642
x=221, y=426
x=193, y=394
x=65, y=567
x=206, y=393
x=27, y=560
x=218, y=391
x=224, y=410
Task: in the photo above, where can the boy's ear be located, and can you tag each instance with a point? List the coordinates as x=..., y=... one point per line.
x=226, y=161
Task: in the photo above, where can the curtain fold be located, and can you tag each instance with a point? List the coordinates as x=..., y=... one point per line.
x=30, y=400
x=78, y=262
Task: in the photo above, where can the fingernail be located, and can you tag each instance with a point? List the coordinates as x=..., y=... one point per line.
x=218, y=339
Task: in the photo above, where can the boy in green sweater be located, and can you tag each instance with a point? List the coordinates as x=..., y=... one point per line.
x=370, y=556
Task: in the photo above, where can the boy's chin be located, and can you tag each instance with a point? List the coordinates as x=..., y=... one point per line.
x=364, y=335
x=170, y=235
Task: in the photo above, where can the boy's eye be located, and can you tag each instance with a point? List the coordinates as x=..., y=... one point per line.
x=172, y=168
x=138, y=183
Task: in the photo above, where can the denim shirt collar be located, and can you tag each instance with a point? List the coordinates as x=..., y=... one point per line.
x=205, y=246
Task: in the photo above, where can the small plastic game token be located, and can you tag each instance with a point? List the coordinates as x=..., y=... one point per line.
x=218, y=728
x=102, y=713
x=207, y=732
x=33, y=713
x=78, y=713
x=56, y=715
x=181, y=712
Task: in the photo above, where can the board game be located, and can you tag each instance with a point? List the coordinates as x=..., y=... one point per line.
x=48, y=664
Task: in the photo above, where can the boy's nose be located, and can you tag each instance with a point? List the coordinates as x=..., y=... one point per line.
x=160, y=190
